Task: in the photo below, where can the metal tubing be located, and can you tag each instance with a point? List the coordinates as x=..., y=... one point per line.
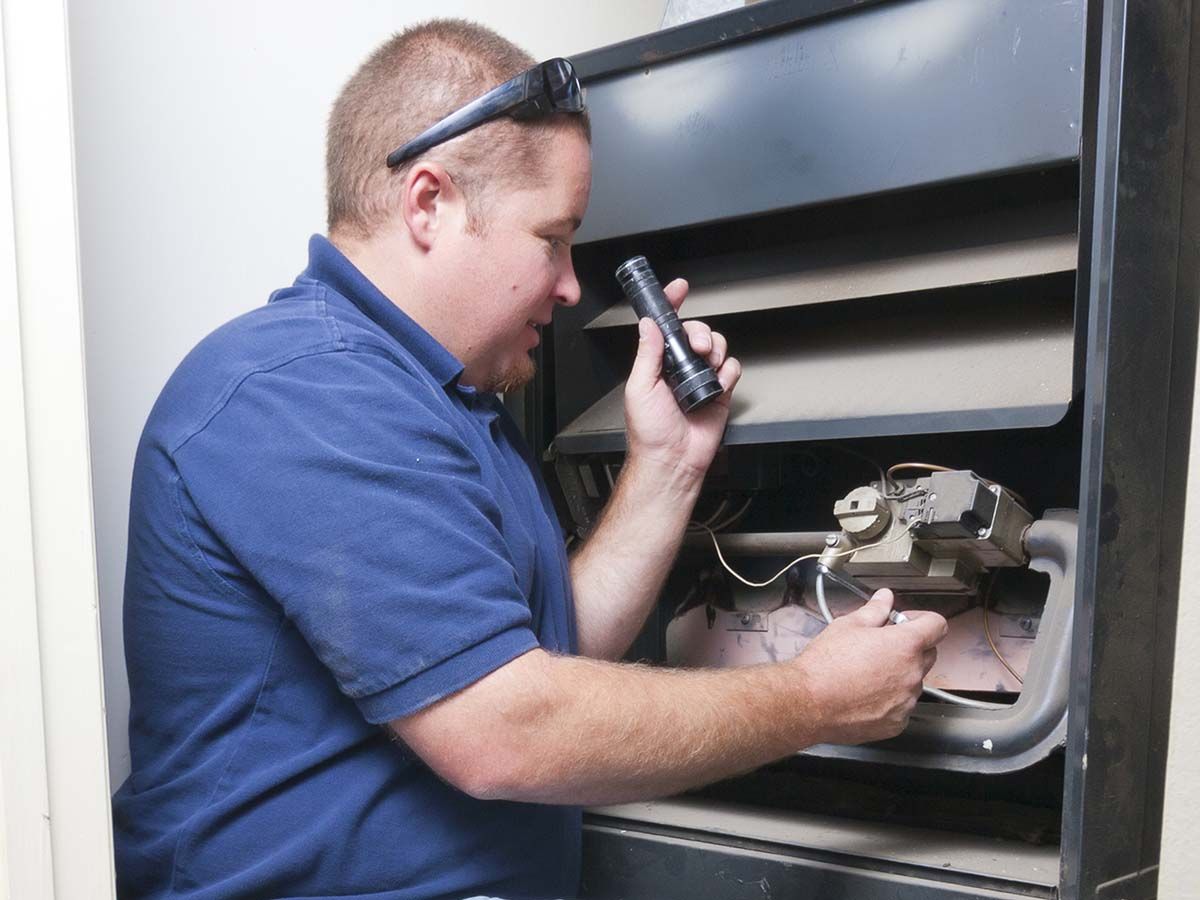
x=762, y=543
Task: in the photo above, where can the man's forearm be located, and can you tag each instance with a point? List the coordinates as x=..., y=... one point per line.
x=620, y=569
x=560, y=729
x=598, y=732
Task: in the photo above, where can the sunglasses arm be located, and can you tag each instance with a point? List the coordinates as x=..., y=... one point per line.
x=497, y=102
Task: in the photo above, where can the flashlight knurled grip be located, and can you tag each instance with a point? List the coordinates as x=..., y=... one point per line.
x=691, y=378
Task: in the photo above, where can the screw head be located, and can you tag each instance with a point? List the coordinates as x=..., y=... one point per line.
x=982, y=532
x=831, y=540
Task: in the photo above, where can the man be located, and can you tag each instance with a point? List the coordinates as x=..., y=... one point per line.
x=360, y=663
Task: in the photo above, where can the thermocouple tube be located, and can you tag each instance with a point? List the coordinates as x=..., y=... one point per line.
x=690, y=377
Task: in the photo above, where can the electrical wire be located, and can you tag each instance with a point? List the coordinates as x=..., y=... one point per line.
x=717, y=513
x=798, y=559
x=987, y=631
x=930, y=467
x=924, y=467
x=944, y=696
x=726, y=522
x=959, y=700
x=712, y=523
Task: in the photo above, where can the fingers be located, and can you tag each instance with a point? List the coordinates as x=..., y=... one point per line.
x=873, y=613
x=715, y=349
x=928, y=627
x=707, y=343
x=700, y=336
x=676, y=291
x=720, y=350
x=728, y=374
x=647, y=365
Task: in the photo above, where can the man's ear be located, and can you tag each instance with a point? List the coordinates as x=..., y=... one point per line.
x=428, y=201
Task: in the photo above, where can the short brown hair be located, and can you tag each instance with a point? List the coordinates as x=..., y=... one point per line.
x=410, y=82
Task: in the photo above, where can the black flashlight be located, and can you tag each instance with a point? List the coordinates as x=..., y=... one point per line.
x=690, y=377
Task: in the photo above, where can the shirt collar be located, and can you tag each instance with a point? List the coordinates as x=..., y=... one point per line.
x=329, y=265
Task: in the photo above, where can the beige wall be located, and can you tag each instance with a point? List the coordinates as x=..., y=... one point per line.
x=199, y=133
x=1179, y=878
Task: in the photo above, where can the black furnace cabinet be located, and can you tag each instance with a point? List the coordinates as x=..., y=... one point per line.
x=954, y=243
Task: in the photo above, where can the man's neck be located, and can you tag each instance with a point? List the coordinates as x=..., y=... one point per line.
x=385, y=264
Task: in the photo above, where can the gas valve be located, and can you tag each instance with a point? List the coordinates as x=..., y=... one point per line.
x=930, y=534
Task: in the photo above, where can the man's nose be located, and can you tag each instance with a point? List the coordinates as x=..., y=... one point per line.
x=567, y=291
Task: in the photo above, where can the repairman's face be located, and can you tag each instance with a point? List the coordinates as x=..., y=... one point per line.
x=521, y=266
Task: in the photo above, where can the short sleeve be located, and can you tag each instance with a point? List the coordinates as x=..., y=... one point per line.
x=340, y=485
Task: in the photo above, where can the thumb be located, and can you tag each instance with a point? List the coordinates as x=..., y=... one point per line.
x=647, y=366
x=874, y=613
x=676, y=292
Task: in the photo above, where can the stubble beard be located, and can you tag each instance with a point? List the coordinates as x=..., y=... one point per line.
x=515, y=377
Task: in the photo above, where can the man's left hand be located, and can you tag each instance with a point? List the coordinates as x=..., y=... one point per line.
x=658, y=431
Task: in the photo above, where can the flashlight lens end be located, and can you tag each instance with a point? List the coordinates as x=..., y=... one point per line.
x=700, y=393
x=635, y=271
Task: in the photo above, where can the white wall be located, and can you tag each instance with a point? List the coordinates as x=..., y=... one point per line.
x=1178, y=878
x=200, y=164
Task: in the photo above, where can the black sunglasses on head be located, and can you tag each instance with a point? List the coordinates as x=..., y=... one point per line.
x=548, y=88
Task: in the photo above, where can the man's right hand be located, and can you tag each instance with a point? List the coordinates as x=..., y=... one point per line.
x=562, y=729
x=863, y=678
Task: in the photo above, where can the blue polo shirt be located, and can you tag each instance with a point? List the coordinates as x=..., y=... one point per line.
x=328, y=532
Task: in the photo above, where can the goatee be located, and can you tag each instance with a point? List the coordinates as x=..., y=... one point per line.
x=515, y=377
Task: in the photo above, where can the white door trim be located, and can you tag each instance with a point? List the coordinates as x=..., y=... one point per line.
x=57, y=829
